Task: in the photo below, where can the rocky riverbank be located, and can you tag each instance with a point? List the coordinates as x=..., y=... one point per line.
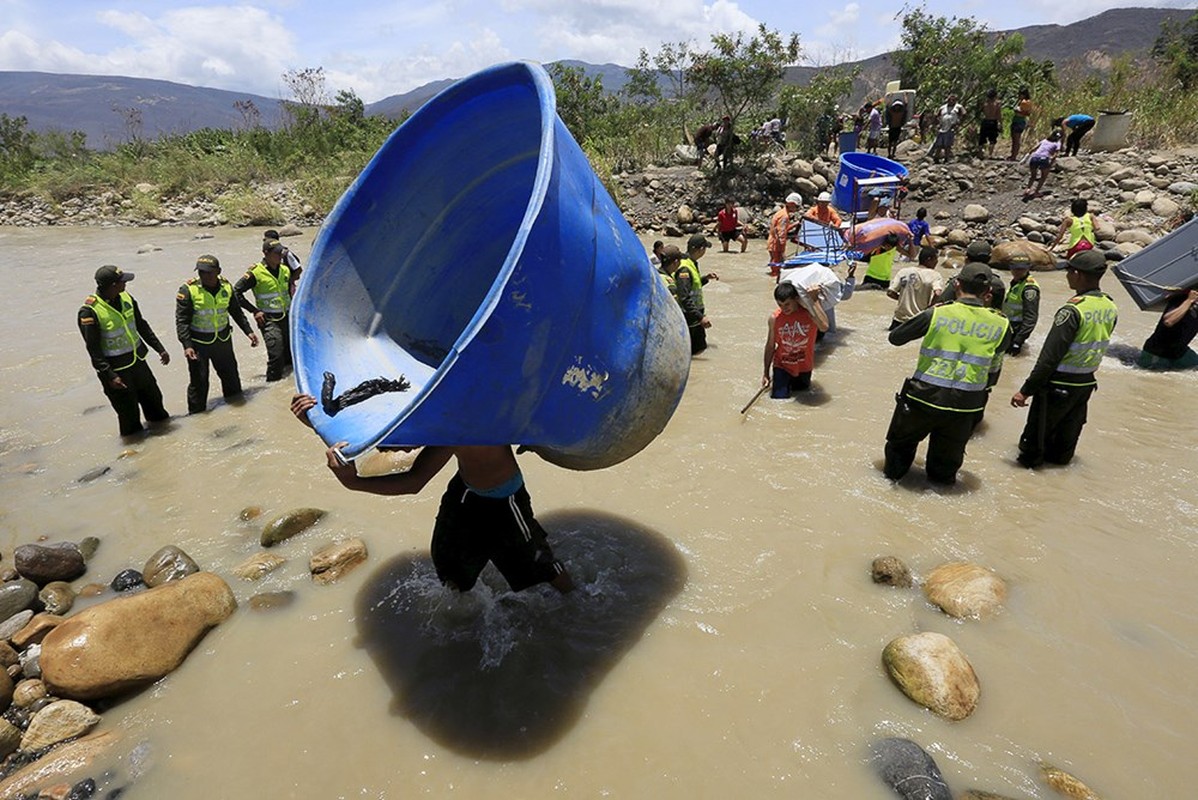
x=72, y=647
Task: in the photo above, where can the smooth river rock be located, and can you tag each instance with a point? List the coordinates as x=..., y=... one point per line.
x=57, y=597
x=168, y=564
x=891, y=571
x=258, y=565
x=906, y=768
x=57, y=722
x=59, y=763
x=285, y=526
x=932, y=671
x=1068, y=785
x=130, y=641
x=1022, y=252
x=965, y=590
x=15, y=596
x=42, y=564
x=334, y=560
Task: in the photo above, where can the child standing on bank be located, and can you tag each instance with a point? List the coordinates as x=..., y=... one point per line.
x=790, y=341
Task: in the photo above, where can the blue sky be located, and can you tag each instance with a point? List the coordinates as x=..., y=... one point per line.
x=382, y=48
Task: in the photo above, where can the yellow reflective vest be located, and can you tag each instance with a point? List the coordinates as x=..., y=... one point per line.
x=119, y=339
x=272, y=293
x=210, y=312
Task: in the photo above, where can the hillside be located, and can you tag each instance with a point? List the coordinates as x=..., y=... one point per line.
x=100, y=105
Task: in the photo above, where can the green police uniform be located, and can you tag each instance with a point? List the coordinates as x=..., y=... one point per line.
x=202, y=324
x=272, y=293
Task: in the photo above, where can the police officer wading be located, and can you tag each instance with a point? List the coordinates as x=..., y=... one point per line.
x=117, y=336
x=1021, y=305
x=273, y=284
x=1064, y=376
x=202, y=310
x=940, y=402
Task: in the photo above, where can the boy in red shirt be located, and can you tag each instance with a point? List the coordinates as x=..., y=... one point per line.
x=790, y=341
x=730, y=226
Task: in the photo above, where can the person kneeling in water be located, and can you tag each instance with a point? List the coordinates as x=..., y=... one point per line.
x=485, y=514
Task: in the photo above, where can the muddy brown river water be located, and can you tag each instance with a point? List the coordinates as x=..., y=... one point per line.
x=726, y=638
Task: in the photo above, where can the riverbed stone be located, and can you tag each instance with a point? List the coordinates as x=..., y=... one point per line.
x=975, y=212
x=979, y=794
x=7, y=687
x=57, y=722
x=258, y=565
x=61, y=762
x=10, y=738
x=8, y=655
x=10, y=626
x=907, y=768
x=289, y=524
x=126, y=580
x=932, y=671
x=1164, y=207
x=965, y=590
x=27, y=692
x=130, y=641
x=1067, y=784
x=891, y=571
x=1023, y=252
x=88, y=546
x=168, y=564
x=42, y=564
x=57, y=597
x=265, y=601
x=250, y=512
x=335, y=560
x=36, y=630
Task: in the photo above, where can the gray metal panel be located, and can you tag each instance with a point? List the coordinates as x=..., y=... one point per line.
x=1170, y=262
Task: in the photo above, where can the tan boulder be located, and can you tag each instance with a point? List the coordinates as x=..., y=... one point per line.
x=61, y=762
x=36, y=629
x=1066, y=784
x=133, y=640
x=10, y=738
x=258, y=565
x=334, y=560
x=932, y=671
x=1021, y=251
x=57, y=722
x=965, y=590
x=286, y=525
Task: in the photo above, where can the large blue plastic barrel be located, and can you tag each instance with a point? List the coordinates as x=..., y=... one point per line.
x=856, y=166
x=846, y=141
x=479, y=257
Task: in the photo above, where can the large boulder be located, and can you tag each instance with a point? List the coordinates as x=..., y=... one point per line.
x=965, y=590
x=1022, y=252
x=932, y=671
x=906, y=768
x=42, y=564
x=130, y=641
x=975, y=213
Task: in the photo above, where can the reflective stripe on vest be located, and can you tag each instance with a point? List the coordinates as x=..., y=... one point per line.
x=960, y=346
x=1082, y=228
x=118, y=330
x=1012, y=304
x=271, y=293
x=1098, y=316
x=881, y=264
x=696, y=280
x=210, y=312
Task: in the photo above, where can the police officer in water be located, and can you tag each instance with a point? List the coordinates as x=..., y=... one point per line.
x=117, y=336
x=273, y=284
x=203, y=307
x=1021, y=304
x=1063, y=379
x=942, y=400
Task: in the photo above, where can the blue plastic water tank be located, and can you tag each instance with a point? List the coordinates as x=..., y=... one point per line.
x=856, y=166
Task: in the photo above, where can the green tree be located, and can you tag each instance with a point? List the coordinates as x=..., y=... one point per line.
x=811, y=110
x=1177, y=49
x=16, y=146
x=581, y=101
x=744, y=74
x=954, y=55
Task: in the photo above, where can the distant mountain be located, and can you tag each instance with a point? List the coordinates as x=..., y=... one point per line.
x=100, y=105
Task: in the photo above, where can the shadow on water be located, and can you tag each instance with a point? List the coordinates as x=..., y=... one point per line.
x=500, y=675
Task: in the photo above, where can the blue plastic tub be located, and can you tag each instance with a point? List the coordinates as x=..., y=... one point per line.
x=846, y=141
x=856, y=166
x=479, y=257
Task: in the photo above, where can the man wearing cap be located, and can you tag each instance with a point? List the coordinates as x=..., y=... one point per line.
x=289, y=258
x=1063, y=379
x=978, y=251
x=822, y=212
x=779, y=233
x=689, y=285
x=117, y=336
x=273, y=284
x=202, y=310
x=1021, y=304
x=949, y=389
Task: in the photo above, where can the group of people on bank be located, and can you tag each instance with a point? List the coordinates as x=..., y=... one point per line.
x=119, y=339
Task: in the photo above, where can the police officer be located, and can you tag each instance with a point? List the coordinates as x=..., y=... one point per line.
x=941, y=400
x=289, y=258
x=689, y=283
x=273, y=283
x=202, y=310
x=1063, y=379
x=978, y=251
x=1021, y=305
x=117, y=336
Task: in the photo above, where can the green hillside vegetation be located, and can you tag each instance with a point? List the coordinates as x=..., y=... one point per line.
x=671, y=92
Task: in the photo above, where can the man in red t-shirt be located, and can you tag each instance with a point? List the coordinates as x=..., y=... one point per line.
x=729, y=225
x=790, y=341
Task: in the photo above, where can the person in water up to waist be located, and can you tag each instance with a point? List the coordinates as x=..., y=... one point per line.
x=273, y=284
x=1021, y=305
x=689, y=284
x=1063, y=379
x=961, y=341
x=1169, y=345
x=485, y=514
x=203, y=307
x=117, y=336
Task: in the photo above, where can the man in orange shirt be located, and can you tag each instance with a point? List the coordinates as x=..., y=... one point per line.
x=790, y=341
x=823, y=212
x=780, y=231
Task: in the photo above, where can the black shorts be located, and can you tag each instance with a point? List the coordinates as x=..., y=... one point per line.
x=988, y=132
x=728, y=236
x=472, y=530
x=894, y=133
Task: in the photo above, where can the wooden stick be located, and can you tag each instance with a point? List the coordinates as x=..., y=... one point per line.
x=760, y=392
